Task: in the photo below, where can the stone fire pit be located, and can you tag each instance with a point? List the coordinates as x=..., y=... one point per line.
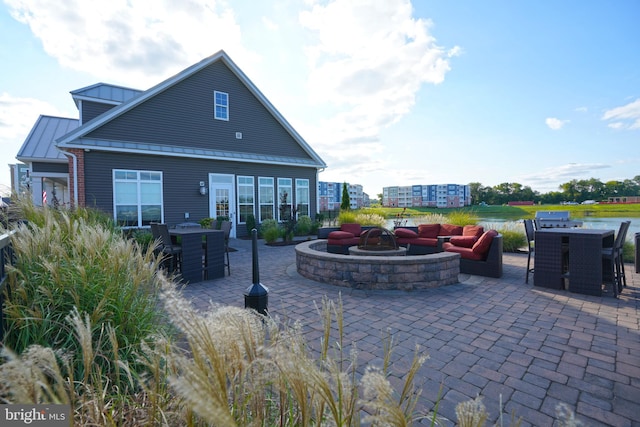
x=376, y=272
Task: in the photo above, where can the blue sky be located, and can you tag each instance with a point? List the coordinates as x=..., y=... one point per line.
x=388, y=92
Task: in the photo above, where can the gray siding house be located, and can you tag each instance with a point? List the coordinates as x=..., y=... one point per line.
x=204, y=143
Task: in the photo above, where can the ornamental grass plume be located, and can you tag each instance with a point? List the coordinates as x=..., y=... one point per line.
x=471, y=413
x=566, y=417
x=33, y=377
x=239, y=368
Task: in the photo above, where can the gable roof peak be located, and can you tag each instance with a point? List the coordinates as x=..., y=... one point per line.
x=72, y=139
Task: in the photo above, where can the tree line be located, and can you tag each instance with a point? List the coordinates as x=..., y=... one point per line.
x=573, y=191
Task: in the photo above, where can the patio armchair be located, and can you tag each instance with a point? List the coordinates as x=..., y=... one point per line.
x=484, y=258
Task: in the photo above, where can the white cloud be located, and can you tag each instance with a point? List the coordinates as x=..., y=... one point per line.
x=624, y=115
x=548, y=179
x=17, y=117
x=137, y=43
x=269, y=24
x=555, y=124
x=369, y=60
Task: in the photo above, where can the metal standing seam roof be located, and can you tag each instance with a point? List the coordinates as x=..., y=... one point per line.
x=105, y=92
x=40, y=143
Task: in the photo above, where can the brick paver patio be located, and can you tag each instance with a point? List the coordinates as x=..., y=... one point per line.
x=505, y=340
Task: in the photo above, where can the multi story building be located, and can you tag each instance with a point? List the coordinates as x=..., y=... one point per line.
x=438, y=196
x=330, y=196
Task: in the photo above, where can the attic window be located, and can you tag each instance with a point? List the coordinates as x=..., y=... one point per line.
x=221, y=105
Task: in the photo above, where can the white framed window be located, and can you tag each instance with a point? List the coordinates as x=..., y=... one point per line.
x=266, y=200
x=137, y=197
x=285, y=194
x=246, y=198
x=302, y=197
x=221, y=105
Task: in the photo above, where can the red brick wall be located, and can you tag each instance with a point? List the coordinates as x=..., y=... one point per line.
x=79, y=153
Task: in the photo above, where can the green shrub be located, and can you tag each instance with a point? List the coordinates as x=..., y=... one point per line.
x=513, y=235
x=142, y=237
x=303, y=225
x=251, y=222
x=270, y=230
x=512, y=240
x=315, y=225
x=320, y=218
x=628, y=251
x=206, y=222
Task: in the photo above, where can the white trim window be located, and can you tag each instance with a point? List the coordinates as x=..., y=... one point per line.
x=221, y=105
x=265, y=198
x=302, y=197
x=285, y=194
x=137, y=197
x=246, y=198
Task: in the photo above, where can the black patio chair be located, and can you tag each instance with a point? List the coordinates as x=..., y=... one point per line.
x=226, y=227
x=531, y=236
x=613, y=255
x=172, y=250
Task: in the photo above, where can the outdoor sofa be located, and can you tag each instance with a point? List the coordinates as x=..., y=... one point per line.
x=480, y=251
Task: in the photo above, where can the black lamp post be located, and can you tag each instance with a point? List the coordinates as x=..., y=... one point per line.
x=257, y=295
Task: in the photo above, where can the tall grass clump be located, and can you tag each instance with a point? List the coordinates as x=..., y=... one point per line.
x=462, y=218
x=244, y=369
x=431, y=218
x=362, y=218
x=66, y=261
x=514, y=237
x=347, y=217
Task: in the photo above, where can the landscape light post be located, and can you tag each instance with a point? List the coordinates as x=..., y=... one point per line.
x=257, y=295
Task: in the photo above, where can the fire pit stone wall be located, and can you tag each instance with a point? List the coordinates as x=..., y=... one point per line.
x=376, y=272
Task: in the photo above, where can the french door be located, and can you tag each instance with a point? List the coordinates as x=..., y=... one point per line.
x=222, y=197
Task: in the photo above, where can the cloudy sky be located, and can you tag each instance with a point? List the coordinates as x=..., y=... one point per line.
x=388, y=92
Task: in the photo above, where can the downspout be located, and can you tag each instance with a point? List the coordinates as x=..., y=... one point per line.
x=318, y=170
x=75, y=177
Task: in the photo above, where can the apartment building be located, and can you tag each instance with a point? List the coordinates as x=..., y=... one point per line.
x=438, y=196
x=330, y=196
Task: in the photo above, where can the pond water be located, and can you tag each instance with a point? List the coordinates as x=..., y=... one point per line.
x=588, y=222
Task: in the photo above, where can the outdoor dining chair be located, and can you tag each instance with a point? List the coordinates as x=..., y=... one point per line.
x=530, y=232
x=172, y=250
x=226, y=227
x=613, y=255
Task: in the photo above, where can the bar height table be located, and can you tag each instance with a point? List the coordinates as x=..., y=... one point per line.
x=194, y=267
x=574, y=254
